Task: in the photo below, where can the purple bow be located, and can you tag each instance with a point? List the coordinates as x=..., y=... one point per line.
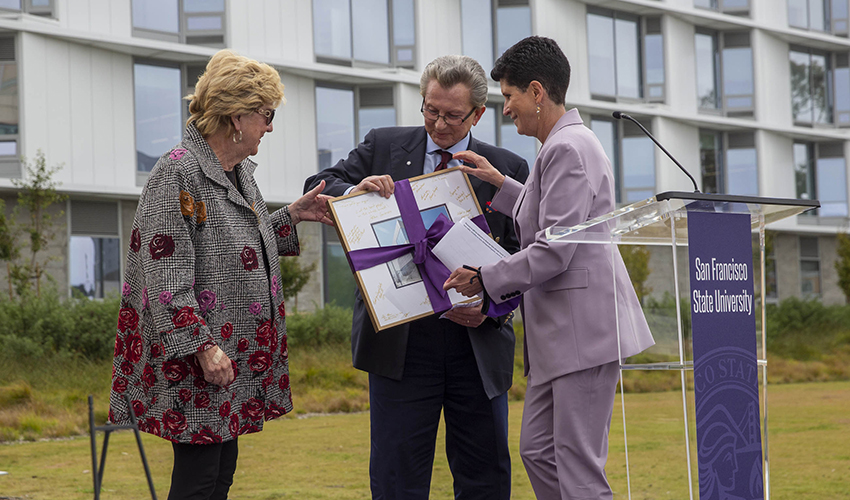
x=433, y=272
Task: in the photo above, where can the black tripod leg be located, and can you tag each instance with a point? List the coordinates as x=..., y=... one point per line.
x=94, y=472
x=141, y=448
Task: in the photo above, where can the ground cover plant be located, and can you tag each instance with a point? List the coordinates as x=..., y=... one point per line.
x=326, y=456
x=54, y=353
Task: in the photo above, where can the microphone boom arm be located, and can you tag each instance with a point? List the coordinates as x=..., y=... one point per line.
x=618, y=115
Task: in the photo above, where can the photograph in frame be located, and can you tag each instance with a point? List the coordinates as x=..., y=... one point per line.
x=394, y=292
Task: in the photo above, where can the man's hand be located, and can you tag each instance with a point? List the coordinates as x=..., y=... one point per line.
x=383, y=184
x=217, y=367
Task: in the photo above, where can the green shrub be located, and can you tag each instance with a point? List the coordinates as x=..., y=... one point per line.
x=31, y=326
x=807, y=330
x=330, y=325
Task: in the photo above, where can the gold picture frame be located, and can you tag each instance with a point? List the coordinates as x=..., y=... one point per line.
x=393, y=292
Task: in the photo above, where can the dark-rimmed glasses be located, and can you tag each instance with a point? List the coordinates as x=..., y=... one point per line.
x=433, y=116
x=268, y=113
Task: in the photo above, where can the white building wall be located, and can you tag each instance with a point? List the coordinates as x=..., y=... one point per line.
x=772, y=78
x=76, y=91
x=438, y=25
x=287, y=155
x=280, y=30
x=680, y=66
x=102, y=17
x=77, y=107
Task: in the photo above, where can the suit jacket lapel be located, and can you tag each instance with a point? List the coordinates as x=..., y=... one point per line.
x=475, y=181
x=407, y=155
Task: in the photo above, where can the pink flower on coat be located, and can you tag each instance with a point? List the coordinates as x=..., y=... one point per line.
x=255, y=308
x=177, y=154
x=126, y=289
x=145, y=302
x=275, y=286
x=165, y=297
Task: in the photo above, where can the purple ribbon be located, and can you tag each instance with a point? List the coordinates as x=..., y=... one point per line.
x=433, y=272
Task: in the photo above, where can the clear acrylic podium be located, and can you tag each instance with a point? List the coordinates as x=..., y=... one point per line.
x=661, y=222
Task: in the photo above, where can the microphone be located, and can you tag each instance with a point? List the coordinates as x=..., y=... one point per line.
x=620, y=115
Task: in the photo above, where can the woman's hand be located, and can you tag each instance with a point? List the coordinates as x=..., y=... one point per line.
x=462, y=281
x=217, y=367
x=466, y=316
x=312, y=206
x=482, y=169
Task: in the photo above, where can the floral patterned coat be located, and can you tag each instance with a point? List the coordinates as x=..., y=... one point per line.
x=202, y=270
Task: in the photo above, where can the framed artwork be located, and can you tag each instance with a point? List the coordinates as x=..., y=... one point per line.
x=394, y=291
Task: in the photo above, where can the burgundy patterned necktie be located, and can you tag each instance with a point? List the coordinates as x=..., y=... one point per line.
x=445, y=157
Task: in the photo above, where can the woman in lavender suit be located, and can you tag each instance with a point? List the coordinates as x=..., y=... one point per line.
x=571, y=350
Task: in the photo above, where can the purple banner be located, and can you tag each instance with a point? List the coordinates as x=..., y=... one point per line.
x=723, y=319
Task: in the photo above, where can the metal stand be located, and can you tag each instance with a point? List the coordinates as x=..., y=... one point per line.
x=97, y=472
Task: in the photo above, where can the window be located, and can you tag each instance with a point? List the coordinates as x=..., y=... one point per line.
x=9, y=115
x=626, y=56
x=344, y=115
x=728, y=163
x=497, y=129
x=724, y=72
x=820, y=172
x=195, y=22
x=35, y=7
x=339, y=121
x=489, y=27
x=632, y=156
x=739, y=7
x=94, y=252
x=375, y=109
x=741, y=165
x=809, y=93
x=820, y=87
x=159, y=112
x=829, y=16
x=809, y=267
x=359, y=32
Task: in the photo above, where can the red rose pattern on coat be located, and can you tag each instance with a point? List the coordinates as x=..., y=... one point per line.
x=161, y=246
x=249, y=258
x=135, y=240
x=152, y=362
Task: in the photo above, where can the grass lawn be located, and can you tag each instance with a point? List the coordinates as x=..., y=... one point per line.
x=326, y=457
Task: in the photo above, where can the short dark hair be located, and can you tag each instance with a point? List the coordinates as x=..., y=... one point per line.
x=535, y=58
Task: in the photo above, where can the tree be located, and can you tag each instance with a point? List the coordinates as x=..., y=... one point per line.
x=636, y=258
x=9, y=250
x=842, y=264
x=294, y=276
x=37, y=194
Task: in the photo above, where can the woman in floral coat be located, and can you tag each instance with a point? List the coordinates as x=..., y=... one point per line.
x=201, y=346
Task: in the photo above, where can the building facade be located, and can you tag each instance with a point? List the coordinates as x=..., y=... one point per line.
x=753, y=96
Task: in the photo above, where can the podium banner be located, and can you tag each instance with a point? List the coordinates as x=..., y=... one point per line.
x=723, y=320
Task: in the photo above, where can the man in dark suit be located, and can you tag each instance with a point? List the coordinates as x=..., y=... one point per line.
x=462, y=365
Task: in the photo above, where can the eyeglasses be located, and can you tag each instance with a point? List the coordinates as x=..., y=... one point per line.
x=268, y=113
x=433, y=116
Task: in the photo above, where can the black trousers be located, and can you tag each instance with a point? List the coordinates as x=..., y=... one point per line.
x=203, y=471
x=440, y=375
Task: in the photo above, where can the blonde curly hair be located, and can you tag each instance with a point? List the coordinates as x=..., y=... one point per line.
x=232, y=85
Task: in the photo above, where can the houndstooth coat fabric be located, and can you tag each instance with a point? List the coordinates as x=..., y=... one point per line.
x=197, y=276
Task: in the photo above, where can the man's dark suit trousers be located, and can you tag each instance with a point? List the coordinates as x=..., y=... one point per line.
x=440, y=373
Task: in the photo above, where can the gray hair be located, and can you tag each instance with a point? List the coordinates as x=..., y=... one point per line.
x=451, y=70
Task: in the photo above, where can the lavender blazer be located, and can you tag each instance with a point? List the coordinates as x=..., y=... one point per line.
x=568, y=303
